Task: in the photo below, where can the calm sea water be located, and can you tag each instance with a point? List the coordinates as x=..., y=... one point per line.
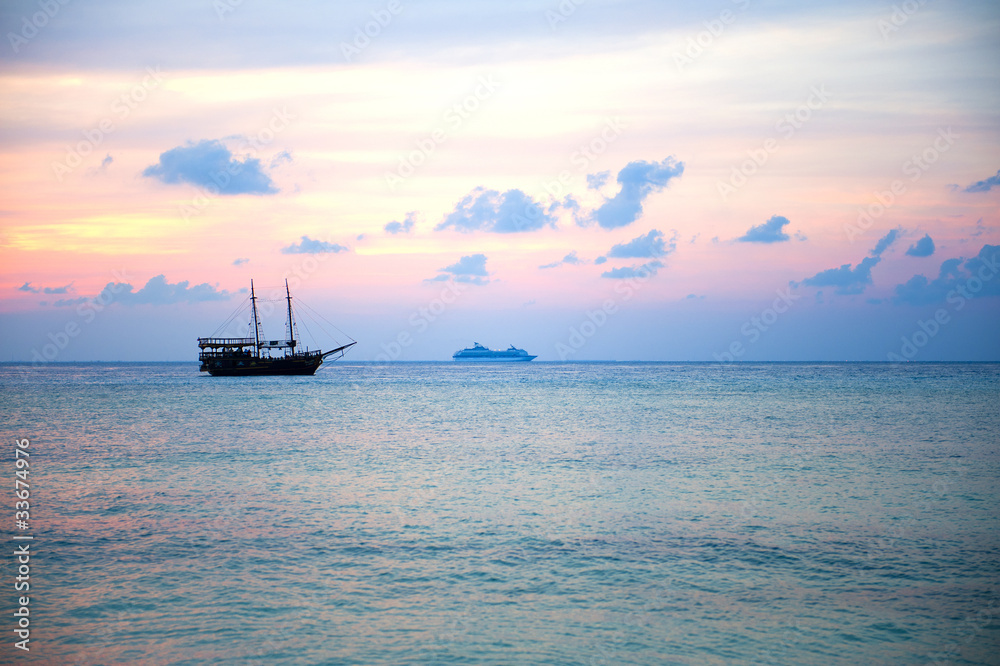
x=529, y=514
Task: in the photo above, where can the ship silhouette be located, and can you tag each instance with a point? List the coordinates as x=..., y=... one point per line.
x=244, y=357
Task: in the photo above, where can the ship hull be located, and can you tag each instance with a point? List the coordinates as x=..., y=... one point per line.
x=495, y=359
x=259, y=367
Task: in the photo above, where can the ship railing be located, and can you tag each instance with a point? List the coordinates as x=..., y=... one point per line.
x=225, y=354
x=224, y=342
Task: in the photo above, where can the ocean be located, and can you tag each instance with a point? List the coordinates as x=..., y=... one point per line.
x=542, y=513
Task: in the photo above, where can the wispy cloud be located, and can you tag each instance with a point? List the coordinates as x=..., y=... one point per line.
x=848, y=279
x=157, y=291
x=649, y=246
x=596, y=181
x=65, y=289
x=985, y=185
x=310, y=246
x=768, y=232
x=885, y=242
x=570, y=258
x=644, y=270
x=403, y=227
x=470, y=269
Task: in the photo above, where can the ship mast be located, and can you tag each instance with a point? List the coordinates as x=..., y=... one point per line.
x=256, y=322
x=291, y=329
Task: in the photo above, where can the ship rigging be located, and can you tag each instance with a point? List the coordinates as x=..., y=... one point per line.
x=250, y=356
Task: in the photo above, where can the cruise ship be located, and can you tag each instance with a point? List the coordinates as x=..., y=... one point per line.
x=480, y=353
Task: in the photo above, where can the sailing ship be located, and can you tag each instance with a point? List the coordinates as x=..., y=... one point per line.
x=243, y=357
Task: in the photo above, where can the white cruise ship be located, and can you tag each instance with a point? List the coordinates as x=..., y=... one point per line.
x=480, y=353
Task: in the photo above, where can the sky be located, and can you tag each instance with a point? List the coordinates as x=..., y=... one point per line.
x=587, y=179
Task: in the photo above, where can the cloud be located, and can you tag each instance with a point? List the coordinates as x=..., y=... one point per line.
x=570, y=203
x=600, y=260
x=68, y=302
x=645, y=247
x=570, y=258
x=240, y=262
x=211, y=165
x=157, y=291
x=974, y=278
x=469, y=269
x=277, y=38
x=885, y=242
x=984, y=185
x=596, y=181
x=284, y=157
x=310, y=246
x=847, y=279
x=489, y=210
x=853, y=280
x=769, y=232
x=922, y=248
x=102, y=167
x=403, y=227
x=65, y=289
x=638, y=180
x=471, y=265
x=644, y=270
